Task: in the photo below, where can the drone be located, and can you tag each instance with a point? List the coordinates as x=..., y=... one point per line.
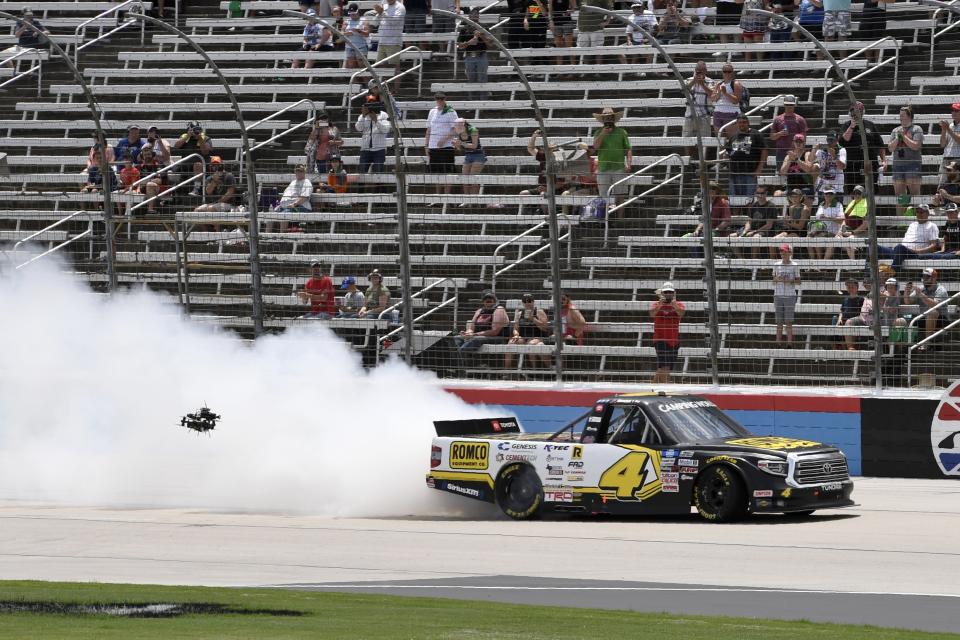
x=201, y=421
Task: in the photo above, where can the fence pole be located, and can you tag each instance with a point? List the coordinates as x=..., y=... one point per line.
x=708, y=255
x=251, y=174
x=105, y=168
x=401, y=175
x=551, y=172
x=868, y=186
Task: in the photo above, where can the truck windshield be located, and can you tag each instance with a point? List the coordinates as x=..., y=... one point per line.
x=697, y=423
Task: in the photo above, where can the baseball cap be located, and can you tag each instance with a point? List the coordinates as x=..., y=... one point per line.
x=743, y=116
x=349, y=280
x=488, y=293
x=667, y=286
x=311, y=12
x=892, y=281
x=375, y=274
x=800, y=137
x=27, y=13
x=929, y=272
x=921, y=207
x=796, y=192
x=859, y=189
x=955, y=106
x=300, y=167
x=788, y=99
x=216, y=160
x=334, y=156
x=830, y=190
x=353, y=8
x=133, y=126
x=315, y=265
x=637, y=5
x=440, y=95
x=786, y=247
x=831, y=136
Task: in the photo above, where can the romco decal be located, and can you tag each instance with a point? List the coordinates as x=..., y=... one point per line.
x=945, y=431
x=469, y=455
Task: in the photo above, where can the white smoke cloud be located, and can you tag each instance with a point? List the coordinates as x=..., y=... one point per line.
x=92, y=389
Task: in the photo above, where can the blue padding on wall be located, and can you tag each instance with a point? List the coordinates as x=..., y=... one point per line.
x=841, y=430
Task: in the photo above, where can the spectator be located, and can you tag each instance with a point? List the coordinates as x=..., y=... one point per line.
x=194, y=140
x=468, y=140
x=376, y=298
x=836, y=22
x=799, y=167
x=474, y=45
x=296, y=197
x=786, y=280
x=827, y=224
x=530, y=326
x=950, y=139
x=865, y=319
x=762, y=217
x=559, y=15
x=535, y=25
x=130, y=145
x=811, y=18
x=830, y=161
x=728, y=15
x=438, y=140
x=753, y=26
x=950, y=242
x=854, y=219
x=949, y=188
x=642, y=18
x=324, y=140
x=850, y=140
x=697, y=120
x=149, y=164
x=747, y=152
x=326, y=8
x=890, y=305
x=941, y=204
x=318, y=291
x=535, y=149
x=390, y=19
x=851, y=304
x=96, y=159
x=221, y=188
x=315, y=38
x=906, y=144
x=927, y=295
x=353, y=299
x=490, y=324
x=357, y=30
x=786, y=127
x=921, y=237
x=726, y=94
x=667, y=312
x=574, y=326
x=416, y=21
x=673, y=27
x=719, y=211
x=516, y=14
x=612, y=146
x=590, y=26
x=796, y=215
x=780, y=29
x=337, y=177
x=128, y=175
x=374, y=126
x=444, y=24
x=27, y=32
x=161, y=149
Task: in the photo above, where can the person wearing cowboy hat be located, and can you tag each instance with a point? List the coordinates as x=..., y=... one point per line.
x=376, y=298
x=611, y=144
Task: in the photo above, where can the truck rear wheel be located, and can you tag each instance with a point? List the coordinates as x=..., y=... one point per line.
x=720, y=495
x=519, y=491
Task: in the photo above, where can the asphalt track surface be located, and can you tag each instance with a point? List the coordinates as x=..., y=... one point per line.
x=893, y=561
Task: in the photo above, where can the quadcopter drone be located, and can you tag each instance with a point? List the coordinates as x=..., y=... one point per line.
x=200, y=421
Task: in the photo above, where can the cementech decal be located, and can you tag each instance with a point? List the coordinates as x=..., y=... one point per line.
x=469, y=455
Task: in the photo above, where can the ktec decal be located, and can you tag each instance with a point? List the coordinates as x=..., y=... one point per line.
x=945, y=431
x=556, y=447
x=469, y=455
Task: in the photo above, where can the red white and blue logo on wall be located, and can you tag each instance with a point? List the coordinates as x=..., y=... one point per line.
x=945, y=431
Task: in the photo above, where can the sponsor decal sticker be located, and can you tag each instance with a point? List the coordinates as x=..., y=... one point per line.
x=775, y=443
x=575, y=464
x=670, y=477
x=554, y=471
x=466, y=491
x=686, y=454
x=670, y=453
x=688, y=462
x=667, y=463
x=557, y=496
x=469, y=455
x=681, y=406
x=523, y=446
x=577, y=452
x=763, y=493
x=556, y=447
x=516, y=457
x=832, y=486
x=595, y=419
x=496, y=425
x=686, y=477
x=574, y=477
x=722, y=459
x=945, y=431
x=764, y=504
x=692, y=470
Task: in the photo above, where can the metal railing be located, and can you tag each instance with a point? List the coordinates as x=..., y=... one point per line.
x=930, y=338
x=38, y=68
x=934, y=34
x=199, y=176
x=455, y=301
x=879, y=65
x=52, y=250
x=504, y=245
x=309, y=121
x=81, y=29
x=348, y=98
x=568, y=236
x=673, y=157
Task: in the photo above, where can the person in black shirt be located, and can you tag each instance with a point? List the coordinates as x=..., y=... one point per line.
x=530, y=326
x=26, y=32
x=474, y=46
x=852, y=303
x=850, y=140
x=416, y=16
x=763, y=215
x=561, y=24
x=747, y=152
x=950, y=240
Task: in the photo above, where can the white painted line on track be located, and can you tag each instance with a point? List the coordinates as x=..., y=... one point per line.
x=683, y=589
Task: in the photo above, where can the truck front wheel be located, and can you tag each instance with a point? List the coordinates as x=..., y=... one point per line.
x=720, y=495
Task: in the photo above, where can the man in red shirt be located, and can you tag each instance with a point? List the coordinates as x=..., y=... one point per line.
x=666, y=313
x=318, y=291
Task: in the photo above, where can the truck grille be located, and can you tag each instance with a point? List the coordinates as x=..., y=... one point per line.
x=823, y=468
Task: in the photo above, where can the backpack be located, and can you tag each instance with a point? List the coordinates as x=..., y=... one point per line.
x=596, y=209
x=744, y=98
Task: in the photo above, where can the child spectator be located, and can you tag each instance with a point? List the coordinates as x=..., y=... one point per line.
x=854, y=219
x=128, y=175
x=786, y=280
x=796, y=215
x=353, y=299
x=314, y=38
x=827, y=224
x=149, y=164
x=851, y=304
x=667, y=312
x=96, y=158
x=830, y=161
x=318, y=291
x=336, y=175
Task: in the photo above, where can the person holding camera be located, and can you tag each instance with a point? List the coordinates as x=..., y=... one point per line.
x=474, y=46
x=374, y=126
x=324, y=140
x=906, y=146
x=666, y=312
x=530, y=326
x=195, y=140
x=221, y=188
x=161, y=150
x=612, y=146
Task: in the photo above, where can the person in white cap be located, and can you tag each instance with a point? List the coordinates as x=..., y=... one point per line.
x=666, y=312
x=785, y=126
x=921, y=237
x=642, y=18
x=786, y=280
x=927, y=295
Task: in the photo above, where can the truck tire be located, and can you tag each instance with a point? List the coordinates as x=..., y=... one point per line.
x=720, y=495
x=519, y=492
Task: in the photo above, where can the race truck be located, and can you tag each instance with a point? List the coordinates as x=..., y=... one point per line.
x=638, y=454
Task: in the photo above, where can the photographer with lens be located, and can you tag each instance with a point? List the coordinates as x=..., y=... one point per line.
x=324, y=140
x=666, y=312
x=221, y=188
x=194, y=140
x=374, y=126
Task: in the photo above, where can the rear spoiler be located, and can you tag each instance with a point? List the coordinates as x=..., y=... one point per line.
x=476, y=427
